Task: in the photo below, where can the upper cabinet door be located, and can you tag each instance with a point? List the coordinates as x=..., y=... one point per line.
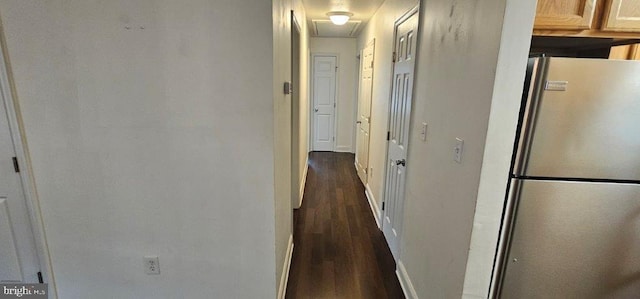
x=622, y=15
x=567, y=14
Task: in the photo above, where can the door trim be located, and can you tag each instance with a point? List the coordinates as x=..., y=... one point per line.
x=400, y=20
x=16, y=129
x=296, y=39
x=311, y=86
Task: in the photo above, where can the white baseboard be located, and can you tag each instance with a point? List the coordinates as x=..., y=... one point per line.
x=344, y=149
x=405, y=282
x=377, y=215
x=284, y=279
x=303, y=182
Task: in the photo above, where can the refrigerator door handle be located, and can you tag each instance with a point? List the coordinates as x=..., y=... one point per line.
x=502, y=251
x=531, y=102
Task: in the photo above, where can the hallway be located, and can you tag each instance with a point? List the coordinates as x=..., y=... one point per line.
x=339, y=251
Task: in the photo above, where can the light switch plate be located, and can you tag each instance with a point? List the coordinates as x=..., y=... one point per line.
x=423, y=132
x=457, y=150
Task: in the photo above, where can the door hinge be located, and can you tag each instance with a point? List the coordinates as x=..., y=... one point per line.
x=383, y=205
x=288, y=87
x=334, y=104
x=393, y=57
x=336, y=69
x=388, y=135
x=40, y=279
x=366, y=170
x=16, y=167
x=334, y=138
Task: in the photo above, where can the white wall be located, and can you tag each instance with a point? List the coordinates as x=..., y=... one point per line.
x=347, y=98
x=456, y=72
x=154, y=141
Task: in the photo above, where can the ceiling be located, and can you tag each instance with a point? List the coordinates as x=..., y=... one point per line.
x=317, y=10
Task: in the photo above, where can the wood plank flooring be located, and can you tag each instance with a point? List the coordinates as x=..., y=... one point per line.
x=339, y=251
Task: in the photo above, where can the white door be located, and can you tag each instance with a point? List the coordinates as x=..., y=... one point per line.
x=399, y=119
x=18, y=254
x=364, y=112
x=324, y=102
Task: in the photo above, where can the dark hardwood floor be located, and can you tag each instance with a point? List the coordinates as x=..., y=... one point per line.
x=339, y=251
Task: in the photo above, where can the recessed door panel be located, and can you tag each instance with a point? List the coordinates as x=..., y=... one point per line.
x=323, y=90
x=323, y=121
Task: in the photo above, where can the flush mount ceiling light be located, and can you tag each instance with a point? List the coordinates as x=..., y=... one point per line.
x=339, y=17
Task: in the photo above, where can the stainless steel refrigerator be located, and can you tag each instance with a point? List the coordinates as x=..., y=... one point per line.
x=572, y=223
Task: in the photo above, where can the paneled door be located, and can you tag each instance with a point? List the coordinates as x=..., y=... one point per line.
x=364, y=112
x=324, y=102
x=18, y=254
x=406, y=33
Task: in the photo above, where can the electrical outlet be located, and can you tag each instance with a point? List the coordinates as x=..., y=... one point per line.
x=457, y=150
x=151, y=265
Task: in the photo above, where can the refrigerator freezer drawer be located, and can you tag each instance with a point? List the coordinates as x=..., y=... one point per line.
x=590, y=128
x=574, y=240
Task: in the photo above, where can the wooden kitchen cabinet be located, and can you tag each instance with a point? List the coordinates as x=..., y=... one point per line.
x=628, y=52
x=588, y=18
x=565, y=15
x=622, y=15
x=634, y=52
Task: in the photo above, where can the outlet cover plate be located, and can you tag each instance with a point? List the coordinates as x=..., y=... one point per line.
x=151, y=265
x=457, y=150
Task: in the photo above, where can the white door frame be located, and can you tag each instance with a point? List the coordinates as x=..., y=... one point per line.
x=16, y=129
x=356, y=108
x=312, y=122
x=358, y=69
x=404, y=17
x=295, y=113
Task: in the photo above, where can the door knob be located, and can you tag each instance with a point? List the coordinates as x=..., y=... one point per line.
x=316, y=110
x=402, y=162
x=358, y=122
